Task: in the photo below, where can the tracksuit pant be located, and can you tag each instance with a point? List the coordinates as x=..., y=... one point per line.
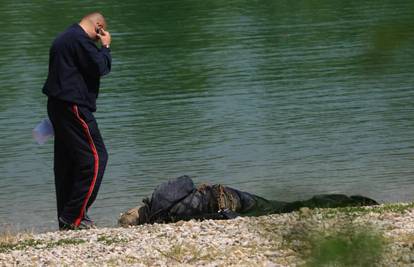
x=80, y=159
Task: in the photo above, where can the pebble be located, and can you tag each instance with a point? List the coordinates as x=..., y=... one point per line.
x=271, y=253
x=406, y=259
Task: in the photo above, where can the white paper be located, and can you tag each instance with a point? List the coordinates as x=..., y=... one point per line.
x=43, y=131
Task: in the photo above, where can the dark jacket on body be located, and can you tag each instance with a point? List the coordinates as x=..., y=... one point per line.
x=75, y=67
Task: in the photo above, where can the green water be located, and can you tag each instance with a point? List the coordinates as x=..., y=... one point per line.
x=284, y=99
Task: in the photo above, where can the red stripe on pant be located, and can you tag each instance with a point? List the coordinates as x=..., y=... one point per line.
x=96, y=164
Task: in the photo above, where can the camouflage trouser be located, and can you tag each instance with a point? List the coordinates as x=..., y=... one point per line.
x=226, y=198
x=247, y=204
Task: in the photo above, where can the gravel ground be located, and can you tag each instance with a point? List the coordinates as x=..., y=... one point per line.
x=274, y=240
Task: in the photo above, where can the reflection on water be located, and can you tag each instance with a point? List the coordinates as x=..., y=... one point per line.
x=283, y=100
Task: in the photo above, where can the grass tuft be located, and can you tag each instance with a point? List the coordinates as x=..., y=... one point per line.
x=186, y=253
x=21, y=244
x=394, y=208
x=350, y=246
x=108, y=240
x=9, y=239
x=334, y=240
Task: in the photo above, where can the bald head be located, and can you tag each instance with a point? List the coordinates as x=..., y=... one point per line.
x=92, y=24
x=95, y=18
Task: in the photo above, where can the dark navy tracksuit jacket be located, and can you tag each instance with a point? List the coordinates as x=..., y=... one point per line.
x=75, y=67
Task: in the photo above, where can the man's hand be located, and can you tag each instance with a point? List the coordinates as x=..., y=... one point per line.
x=105, y=38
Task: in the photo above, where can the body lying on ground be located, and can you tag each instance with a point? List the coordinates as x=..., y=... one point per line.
x=179, y=199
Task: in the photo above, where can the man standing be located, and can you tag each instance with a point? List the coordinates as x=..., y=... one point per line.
x=72, y=86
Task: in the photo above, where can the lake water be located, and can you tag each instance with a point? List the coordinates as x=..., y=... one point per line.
x=282, y=99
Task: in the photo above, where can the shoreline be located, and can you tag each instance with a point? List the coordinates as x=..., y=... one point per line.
x=271, y=240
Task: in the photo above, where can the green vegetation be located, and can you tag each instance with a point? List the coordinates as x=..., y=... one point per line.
x=351, y=211
x=338, y=240
x=125, y=260
x=351, y=246
x=4, y=247
x=181, y=253
x=186, y=253
x=108, y=240
x=332, y=237
x=62, y=242
x=14, y=244
x=9, y=239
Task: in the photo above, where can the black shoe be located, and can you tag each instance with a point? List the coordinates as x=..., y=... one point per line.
x=65, y=225
x=86, y=223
